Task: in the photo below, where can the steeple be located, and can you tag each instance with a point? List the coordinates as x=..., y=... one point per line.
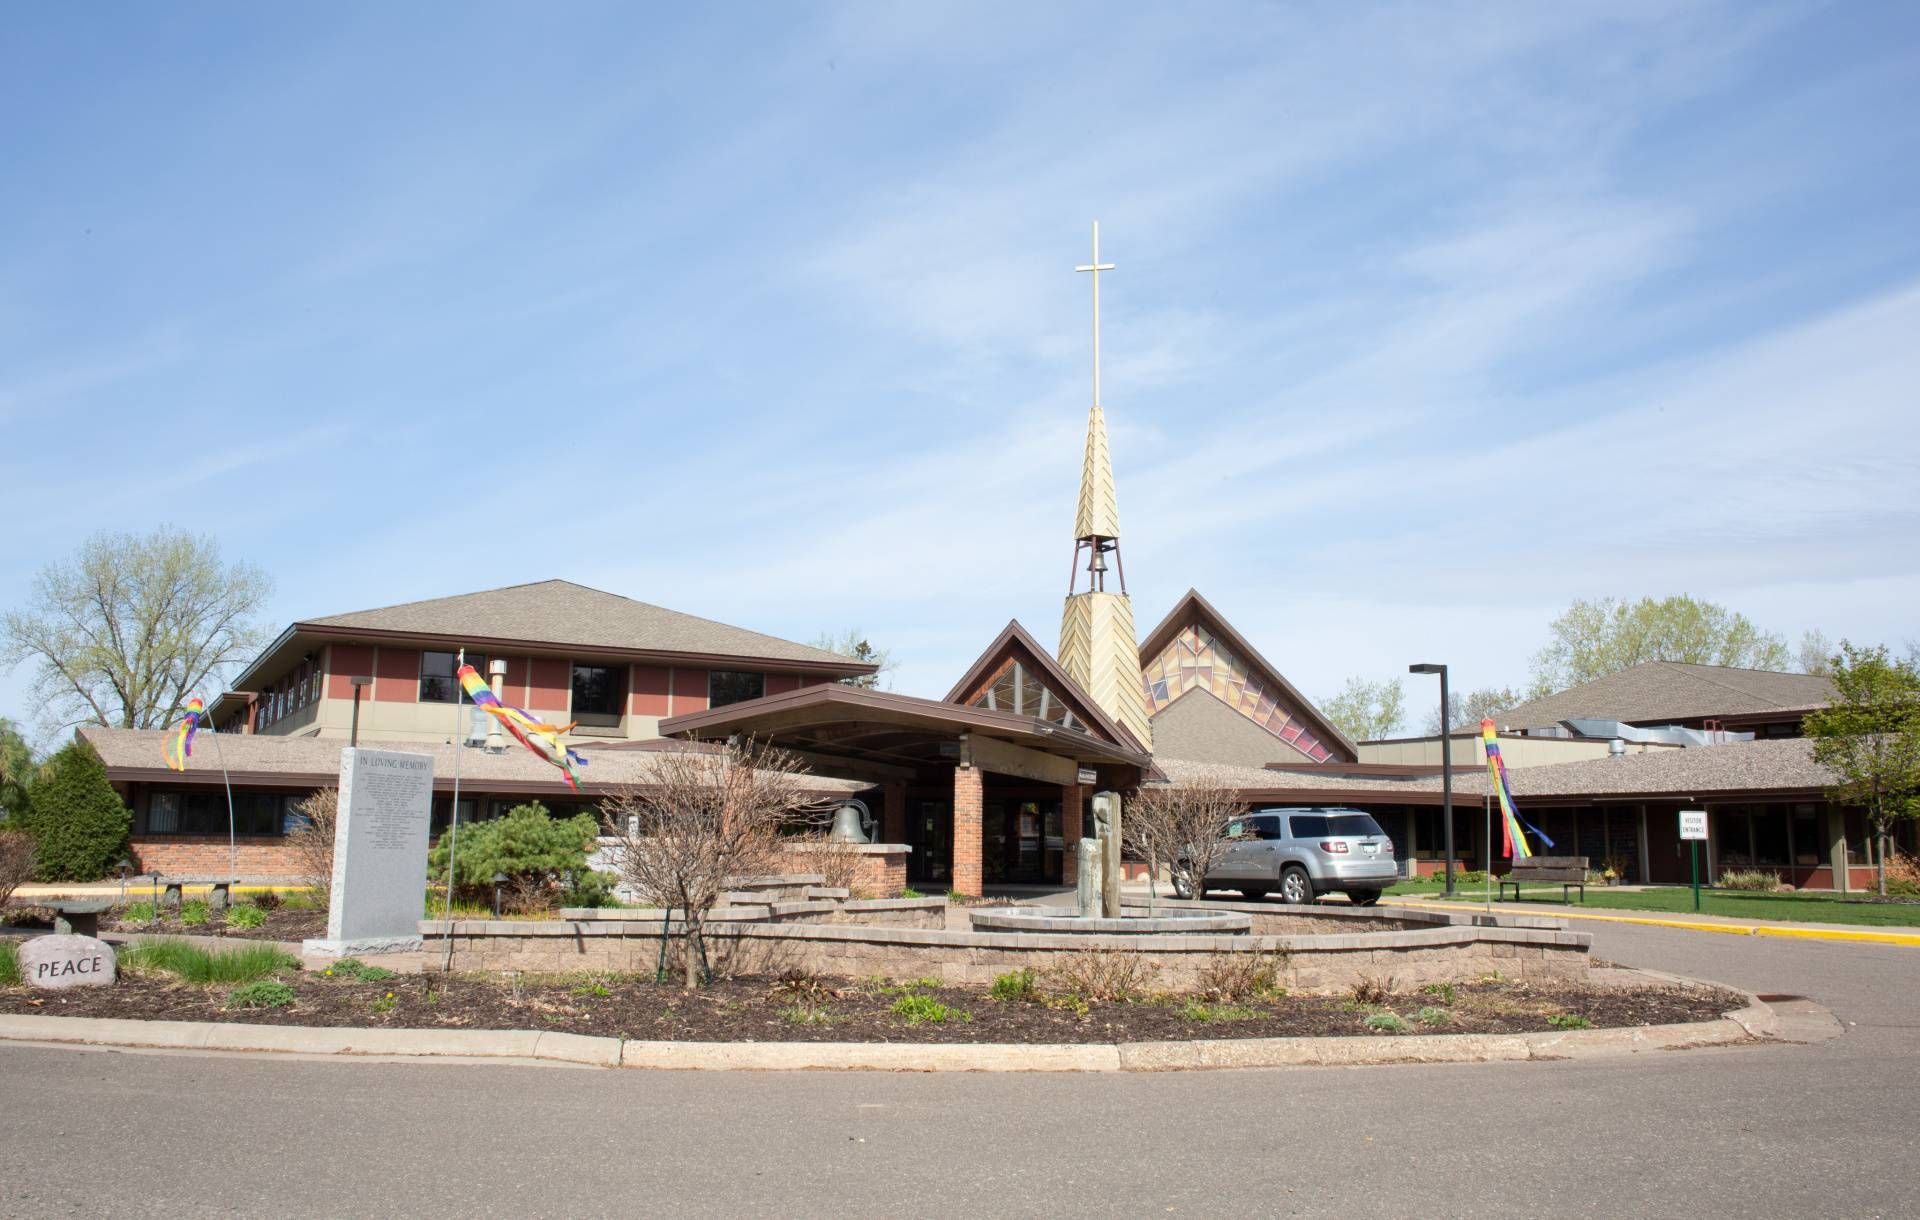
x=1098, y=648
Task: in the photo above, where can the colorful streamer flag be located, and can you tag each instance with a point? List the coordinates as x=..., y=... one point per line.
x=530, y=731
x=1513, y=843
x=180, y=745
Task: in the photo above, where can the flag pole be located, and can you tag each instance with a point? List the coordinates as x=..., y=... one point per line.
x=453, y=817
x=1489, y=841
x=233, y=848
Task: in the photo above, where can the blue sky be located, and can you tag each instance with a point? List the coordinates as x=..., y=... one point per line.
x=1428, y=319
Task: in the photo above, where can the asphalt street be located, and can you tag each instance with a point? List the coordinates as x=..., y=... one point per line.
x=1820, y=1130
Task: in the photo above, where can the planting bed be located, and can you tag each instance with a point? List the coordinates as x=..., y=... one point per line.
x=809, y=1009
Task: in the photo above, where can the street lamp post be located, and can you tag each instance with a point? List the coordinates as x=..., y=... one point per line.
x=1446, y=761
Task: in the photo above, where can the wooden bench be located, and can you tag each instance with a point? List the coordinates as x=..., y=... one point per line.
x=1569, y=871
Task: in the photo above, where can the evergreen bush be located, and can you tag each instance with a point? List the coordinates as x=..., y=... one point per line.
x=528, y=845
x=79, y=826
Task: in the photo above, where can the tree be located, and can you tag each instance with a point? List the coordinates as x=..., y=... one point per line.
x=1815, y=654
x=1182, y=825
x=537, y=854
x=123, y=633
x=703, y=818
x=1366, y=710
x=1870, y=739
x=16, y=771
x=78, y=824
x=1596, y=638
x=853, y=644
x=311, y=841
x=1468, y=710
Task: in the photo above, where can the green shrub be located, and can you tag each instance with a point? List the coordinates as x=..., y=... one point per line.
x=1901, y=887
x=1569, y=1020
x=354, y=968
x=194, y=914
x=916, y=1009
x=910, y=892
x=267, y=993
x=245, y=917
x=1014, y=985
x=1472, y=876
x=528, y=845
x=1433, y=1016
x=1762, y=880
x=1194, y=1010
x=192, y=964
x=78, y=824
x=9, y=962
x=590, y=888
x=1445, y=992
x=138, y=912
x=1387, y=1023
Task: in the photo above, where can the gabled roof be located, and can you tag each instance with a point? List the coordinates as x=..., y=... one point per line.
x=1015, y=641
x=1781, y=765
x=1193, y=608
x=558, y=614
x=1664, y=691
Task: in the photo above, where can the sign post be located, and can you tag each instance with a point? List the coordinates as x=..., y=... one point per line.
x=1693, y=830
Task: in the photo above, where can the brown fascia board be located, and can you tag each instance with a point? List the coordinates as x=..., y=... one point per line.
x=1015, y=633
x=1157, y=639
x=1361, y=770
x=303, y=780
x=322, y=634
x=950, y=715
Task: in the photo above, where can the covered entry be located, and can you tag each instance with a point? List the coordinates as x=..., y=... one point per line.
x=982, y=796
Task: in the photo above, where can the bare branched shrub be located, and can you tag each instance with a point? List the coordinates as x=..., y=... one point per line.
x=1372, y=989
x=836, y=860
x=705, y=818
x=1241, y=976
x=311, y=844
x=16, y=861
x=1101, y=974
x=1182, y=826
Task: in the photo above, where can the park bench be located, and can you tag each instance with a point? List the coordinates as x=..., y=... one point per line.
x=75, y=916
x=217, y=897
x=1569, y=871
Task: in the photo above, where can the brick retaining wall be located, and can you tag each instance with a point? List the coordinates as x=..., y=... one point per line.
x=206, y=856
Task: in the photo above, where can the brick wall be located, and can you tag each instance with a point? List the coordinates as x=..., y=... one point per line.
x=882, y=870
x=206, y=856
x=969, y=806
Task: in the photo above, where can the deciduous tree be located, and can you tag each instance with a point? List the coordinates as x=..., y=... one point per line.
x=1366, y=710
x=1596, y=638
x=1468, y=710
x=854, y=644
x=1815, y=654
x=124, y=632
x=16, y=770
x=1870, y=739
x=1181, y=825
x=703, y=818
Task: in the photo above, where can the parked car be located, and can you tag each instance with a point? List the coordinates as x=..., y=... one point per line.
x=1302, y=853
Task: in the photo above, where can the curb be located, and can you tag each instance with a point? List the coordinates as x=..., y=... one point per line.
x=1725, y=929
x=1756, y=1021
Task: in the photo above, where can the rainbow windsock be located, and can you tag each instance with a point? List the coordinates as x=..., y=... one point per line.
x=180, y=745
x=535, y=734
x=1513, y=843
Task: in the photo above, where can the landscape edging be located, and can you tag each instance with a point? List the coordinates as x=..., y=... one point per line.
x=1757, y=1020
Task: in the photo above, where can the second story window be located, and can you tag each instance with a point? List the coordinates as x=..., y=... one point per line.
x=599, y=694
x=726, y=686
x=437, y=683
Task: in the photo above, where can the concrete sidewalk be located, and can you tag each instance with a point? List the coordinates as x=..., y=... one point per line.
x=1690, y=921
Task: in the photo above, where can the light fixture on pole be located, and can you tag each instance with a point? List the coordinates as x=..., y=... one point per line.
x=1446, y=761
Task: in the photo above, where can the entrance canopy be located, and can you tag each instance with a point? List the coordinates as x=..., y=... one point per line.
x=879, y=736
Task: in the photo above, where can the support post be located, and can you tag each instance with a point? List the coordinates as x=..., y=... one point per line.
x=969, y=803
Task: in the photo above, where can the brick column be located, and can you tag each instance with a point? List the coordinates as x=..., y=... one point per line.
x=969, y=804
x=1070, y=834
x=893, y=814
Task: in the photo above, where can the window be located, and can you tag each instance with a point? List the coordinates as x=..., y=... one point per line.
x=599, y=694
x=205, y=813
x=1309, y=825
x=1266, y=827
x=437, y=681
x=1017, y=690
x=726, y=686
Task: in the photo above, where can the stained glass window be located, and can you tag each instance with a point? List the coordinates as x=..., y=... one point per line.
x=1194, y=658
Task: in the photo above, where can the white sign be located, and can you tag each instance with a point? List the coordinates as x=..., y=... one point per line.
x=379, y=853
x=1693, y=824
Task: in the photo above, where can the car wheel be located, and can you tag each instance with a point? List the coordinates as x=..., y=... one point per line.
x=1180, y=887
x=1364, y=898
x=1296, y=888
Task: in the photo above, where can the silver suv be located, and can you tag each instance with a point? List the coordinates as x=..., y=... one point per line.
x=1303, y=852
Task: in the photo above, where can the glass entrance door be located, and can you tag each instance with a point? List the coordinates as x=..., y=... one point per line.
x=930, y=834
x=1021, y=841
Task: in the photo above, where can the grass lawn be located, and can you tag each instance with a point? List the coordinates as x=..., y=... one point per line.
x=1802, y=907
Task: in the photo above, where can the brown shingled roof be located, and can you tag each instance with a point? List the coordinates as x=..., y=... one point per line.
x=1781, y=765
x=1663, y=691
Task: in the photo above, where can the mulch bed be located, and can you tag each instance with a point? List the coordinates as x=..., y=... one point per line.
x=822, y=1010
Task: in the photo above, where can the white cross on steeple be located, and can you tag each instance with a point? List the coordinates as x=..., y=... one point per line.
x=1096, y=267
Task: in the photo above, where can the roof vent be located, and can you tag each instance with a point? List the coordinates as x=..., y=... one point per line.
x=1616, y=747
